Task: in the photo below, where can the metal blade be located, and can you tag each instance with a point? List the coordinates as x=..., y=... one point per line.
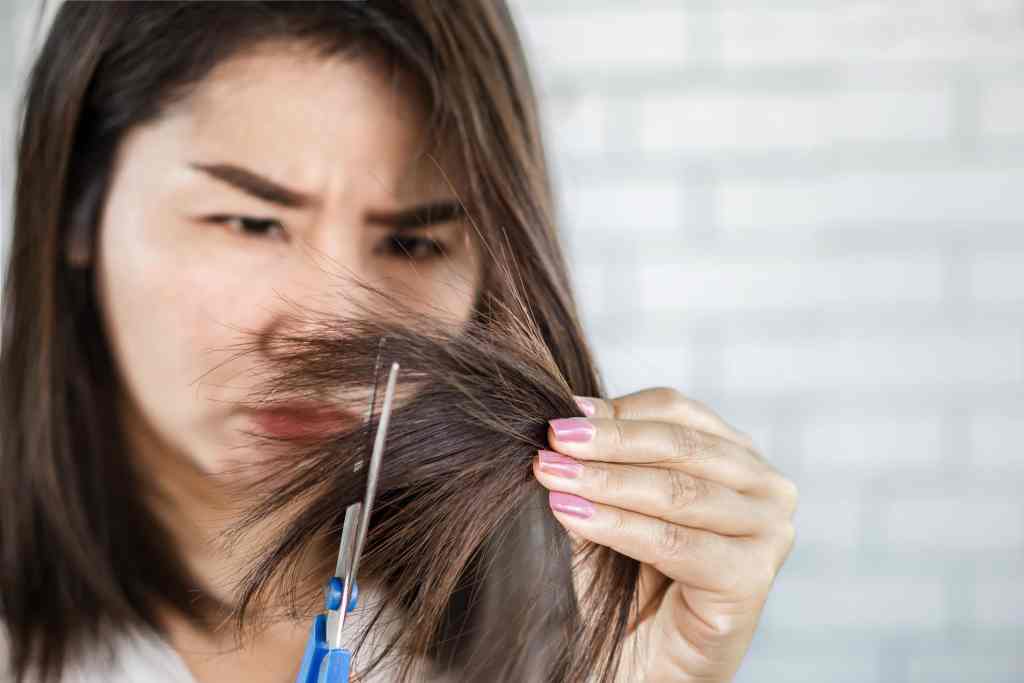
x=371, y=491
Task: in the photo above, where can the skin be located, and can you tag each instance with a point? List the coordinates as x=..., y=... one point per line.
x=176, y=287
x=672, y=485
x=661, y=478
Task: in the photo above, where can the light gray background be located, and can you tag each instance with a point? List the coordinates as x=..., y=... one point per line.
x=807, y=214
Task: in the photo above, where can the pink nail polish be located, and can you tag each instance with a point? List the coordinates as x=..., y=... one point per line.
x=572, y=429
x=585, y=404
x=570, y=504
x=559, y=465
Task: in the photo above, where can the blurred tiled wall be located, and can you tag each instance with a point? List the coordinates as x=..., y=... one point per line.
x=808, y=215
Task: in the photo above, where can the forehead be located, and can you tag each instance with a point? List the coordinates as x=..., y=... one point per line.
x=305, y=119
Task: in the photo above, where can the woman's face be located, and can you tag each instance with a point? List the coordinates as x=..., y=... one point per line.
x=279, y=172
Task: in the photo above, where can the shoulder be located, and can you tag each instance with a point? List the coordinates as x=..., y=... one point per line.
x=132, y=657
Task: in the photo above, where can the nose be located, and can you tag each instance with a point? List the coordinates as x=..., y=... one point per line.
x=319, y=282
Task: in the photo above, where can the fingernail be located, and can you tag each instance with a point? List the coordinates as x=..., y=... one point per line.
x=570, y=504
x=586, y=405
x=559, y=465
x=572, y=428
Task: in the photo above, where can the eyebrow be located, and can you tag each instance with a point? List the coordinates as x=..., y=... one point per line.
x=256, y=185
x=420, y=216
x=268, y=190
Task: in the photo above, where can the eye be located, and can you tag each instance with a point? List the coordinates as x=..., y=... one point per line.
x=249, y=226
x=416, y=248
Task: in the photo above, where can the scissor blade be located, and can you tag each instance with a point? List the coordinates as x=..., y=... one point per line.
x=348, y=532
x=375, y=459
x=344, y=561
x=373, y=391
x=371, y=492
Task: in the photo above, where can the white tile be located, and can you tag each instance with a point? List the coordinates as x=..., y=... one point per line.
x=755, y=121
x=624, y=208
x=610, y=38
x=717, y=284
x=999, y=604
x=997, y=442
x=828, y=523
x=875, y=361
x=868, y=199
x=998, y=278
x=1001, y=107
x=844, y=601
x=866, y=446
x=965, y=524
x=872, y=32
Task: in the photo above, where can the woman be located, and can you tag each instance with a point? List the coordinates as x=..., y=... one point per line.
x=181, y=165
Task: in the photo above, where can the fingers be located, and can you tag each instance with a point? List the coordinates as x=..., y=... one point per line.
x=671, y=495
x=663, y=444
x=696, y=557
x=668, y=404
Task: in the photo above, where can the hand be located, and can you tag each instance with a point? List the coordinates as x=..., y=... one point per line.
x=660, y=478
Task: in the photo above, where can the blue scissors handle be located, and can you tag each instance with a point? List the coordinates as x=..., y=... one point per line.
x=321, y=664
x=324, y=660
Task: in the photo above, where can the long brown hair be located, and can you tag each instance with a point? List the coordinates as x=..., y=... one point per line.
x=81, y=553
x=488, y=585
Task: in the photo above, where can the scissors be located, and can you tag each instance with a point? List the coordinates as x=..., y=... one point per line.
x=325, y=660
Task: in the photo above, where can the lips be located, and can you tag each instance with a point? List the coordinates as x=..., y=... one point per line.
x=299, y=420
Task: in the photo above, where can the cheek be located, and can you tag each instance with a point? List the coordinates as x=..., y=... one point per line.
x=177, y=302
x=171, y=322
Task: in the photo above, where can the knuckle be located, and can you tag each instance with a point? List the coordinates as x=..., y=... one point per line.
x=617, y=409
x=687, y=443
x=746, y=440
x=602, y=478
x=678, y=404
x=686, y=409
x=685, y=489
x=671, y=395
x=618, y=433
x=618, y=523
x=786, y=490
x=671, y=540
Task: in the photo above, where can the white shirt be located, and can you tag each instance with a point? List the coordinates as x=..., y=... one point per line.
x=142, y=657
x=136, y=657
